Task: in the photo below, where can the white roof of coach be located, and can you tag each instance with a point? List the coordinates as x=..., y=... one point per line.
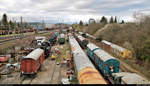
x=76, y=34
x=62, y=35
x=104, y=56
x=132, y=78
x=121, y=49
x=80, y=33
x=35, y=54
x=92, y=46
x=106, y=42
x=79, y=55
x=81, y=38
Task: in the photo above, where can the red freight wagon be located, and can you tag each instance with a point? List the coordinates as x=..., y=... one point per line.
x=106, y=45
x=32, y=62
x=3, y=58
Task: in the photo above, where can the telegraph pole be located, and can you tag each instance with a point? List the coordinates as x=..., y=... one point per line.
x=21, y=24
x=14, y=24
x=43, y=25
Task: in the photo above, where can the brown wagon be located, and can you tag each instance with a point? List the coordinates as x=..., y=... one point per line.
x=32, y=62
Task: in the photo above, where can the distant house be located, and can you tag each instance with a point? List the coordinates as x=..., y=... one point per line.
x=91, y=21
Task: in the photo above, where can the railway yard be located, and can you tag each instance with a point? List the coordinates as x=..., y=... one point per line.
x=63, y=57
x=50, y=72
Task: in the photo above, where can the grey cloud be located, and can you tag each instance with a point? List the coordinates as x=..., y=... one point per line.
x=53, y=9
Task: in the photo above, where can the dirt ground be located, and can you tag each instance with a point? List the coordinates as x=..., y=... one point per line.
x=50, y=72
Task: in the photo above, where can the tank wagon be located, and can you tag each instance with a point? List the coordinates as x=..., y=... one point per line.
x=61, y=38
x=84, y=69
x=32, y=62
x=117, y=50
x=106, y=63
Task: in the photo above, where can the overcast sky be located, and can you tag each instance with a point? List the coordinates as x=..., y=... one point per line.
x=71, y=10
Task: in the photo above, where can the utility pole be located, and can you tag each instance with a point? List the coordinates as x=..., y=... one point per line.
x=21, y=25
x=43, y=25
x=14, y=23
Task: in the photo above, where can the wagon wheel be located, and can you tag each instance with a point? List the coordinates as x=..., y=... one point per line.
x=34, y=75
x=21, y=74
x=40, y=68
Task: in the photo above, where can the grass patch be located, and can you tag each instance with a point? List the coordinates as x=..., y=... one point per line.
x=64, y=52
x=141, y=69
x=9, y=35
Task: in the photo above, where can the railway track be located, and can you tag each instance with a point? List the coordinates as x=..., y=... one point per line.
x=13, y=38
x=3, y=40
x=26, y=80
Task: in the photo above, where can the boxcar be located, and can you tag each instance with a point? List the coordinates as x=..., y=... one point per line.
x=32, y=62
x=82, y=41
x=106, y=45
x=115, y=49
x=3, y=58
x=84, y=69
x=106, y=63
x=120, y=51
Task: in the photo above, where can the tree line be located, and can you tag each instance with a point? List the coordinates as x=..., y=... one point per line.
x=10, y=25
x=103, y=20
